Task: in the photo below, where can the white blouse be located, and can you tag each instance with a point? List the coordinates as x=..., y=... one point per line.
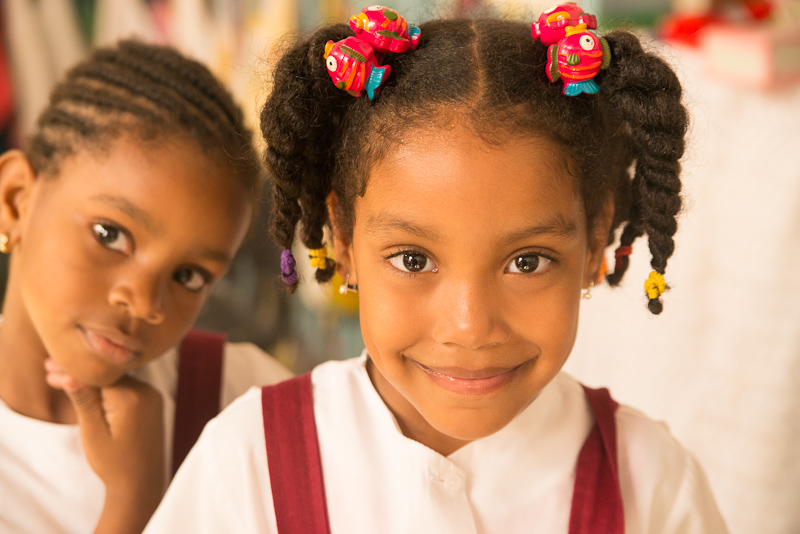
x=46, y=484
x=518, y=480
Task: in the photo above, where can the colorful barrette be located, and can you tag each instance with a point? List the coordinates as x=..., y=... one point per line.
x=288, y=264
x=575, y=54
x=354, y=63
x=318, y=257
x=655, y=285
x=385, y=30
x=552, y=24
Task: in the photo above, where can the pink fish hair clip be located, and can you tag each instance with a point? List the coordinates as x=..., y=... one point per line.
x=577, y=58
x=385, y=30
x=354, y=63
x=353, y=66
x=552, y=24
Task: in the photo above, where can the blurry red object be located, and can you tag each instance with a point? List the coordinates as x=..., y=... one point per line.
x=685, y=28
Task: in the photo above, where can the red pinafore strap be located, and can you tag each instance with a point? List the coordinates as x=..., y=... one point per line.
x=200, y=360
x=298, y=491
x=596, y=497
x=295, y=470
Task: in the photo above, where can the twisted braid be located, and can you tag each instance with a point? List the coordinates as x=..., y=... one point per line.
x=646, y=93
x=298, y=123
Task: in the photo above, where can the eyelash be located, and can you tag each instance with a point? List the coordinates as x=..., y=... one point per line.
x=532, y=253
x=106, y=227
x=526, y=254
x=401, y=253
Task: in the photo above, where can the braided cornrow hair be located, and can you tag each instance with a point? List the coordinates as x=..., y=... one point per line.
x=491, y=75
x=148, y=91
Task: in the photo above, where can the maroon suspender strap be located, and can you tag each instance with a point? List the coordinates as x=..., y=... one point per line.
x=596, y=499
x=199, y=386
x=295, y=469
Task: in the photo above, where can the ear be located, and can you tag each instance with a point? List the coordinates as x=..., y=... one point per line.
x=342, y=244
x=17, y=179
x=598, y=237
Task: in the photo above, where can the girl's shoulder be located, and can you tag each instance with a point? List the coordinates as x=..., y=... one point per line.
x=663, y=479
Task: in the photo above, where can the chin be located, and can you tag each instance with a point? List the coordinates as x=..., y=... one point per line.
x=471, y=425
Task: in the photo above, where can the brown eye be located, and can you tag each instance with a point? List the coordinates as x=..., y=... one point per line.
x=110, y=237
x=528, y=263
x=412, y=262
x=191, y=279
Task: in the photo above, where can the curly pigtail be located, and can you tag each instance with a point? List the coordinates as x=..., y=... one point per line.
x=299, y=123
x=646, y=94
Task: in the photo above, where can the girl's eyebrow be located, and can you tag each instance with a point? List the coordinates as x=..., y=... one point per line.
x=384, y=222
x=131, y=210
x=557, y=226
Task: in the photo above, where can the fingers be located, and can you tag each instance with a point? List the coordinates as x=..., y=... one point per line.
x=87, y=400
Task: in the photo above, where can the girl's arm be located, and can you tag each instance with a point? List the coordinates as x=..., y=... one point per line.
x=122, y=432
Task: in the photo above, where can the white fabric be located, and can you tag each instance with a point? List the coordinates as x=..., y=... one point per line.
x=722, y=364
x=518, y=480
x=46, y=485
x=43, y=40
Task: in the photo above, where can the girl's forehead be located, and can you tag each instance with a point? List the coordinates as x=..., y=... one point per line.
x=455, y=175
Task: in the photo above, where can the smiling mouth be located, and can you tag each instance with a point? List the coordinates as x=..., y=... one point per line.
x=471, y=382
x=116, y=351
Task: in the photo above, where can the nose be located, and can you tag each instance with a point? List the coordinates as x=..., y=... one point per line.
x=470, y=314
x=141, y=294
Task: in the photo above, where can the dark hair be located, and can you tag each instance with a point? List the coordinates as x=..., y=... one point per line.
x=148, y=91
x=492, y=73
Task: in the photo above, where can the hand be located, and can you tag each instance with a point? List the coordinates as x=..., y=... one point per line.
x=122, y=430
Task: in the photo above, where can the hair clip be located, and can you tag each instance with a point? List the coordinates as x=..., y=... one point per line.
x=552, y=24
x=288, y=264
x=385, y=30
x=319, y=257
x=354, y=63
x=354, y=68
x=574, y=53
x=655, y=285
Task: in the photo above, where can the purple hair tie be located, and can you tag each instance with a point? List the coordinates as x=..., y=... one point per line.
x=288, y=274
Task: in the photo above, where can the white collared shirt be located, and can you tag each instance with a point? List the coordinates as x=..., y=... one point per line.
x=518, y=480
x=46, y=484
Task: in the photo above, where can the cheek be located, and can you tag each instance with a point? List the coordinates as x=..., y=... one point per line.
x=548, y=318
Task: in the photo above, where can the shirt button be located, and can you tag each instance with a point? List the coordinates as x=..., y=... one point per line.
x=453, y=483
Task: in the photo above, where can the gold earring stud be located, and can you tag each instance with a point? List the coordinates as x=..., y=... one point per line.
x=5, y=248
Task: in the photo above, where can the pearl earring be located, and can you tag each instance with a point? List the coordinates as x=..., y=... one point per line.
x=586, y=294
x=345, y=288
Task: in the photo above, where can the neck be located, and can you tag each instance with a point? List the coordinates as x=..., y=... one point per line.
x=411, y=422
x=23, y=387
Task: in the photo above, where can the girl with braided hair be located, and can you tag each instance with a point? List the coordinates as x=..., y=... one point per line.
x=469, y=202
x=128, y=204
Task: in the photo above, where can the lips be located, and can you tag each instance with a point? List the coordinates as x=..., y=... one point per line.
x=111, y=345
x=471, y=381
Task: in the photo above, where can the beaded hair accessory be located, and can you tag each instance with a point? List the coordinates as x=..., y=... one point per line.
x=574, y=53
x=354, y=63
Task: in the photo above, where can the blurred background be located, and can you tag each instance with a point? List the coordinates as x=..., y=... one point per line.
x=721, y=365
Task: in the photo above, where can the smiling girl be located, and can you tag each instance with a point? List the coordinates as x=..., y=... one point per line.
x=470, y=205
x=129, y=203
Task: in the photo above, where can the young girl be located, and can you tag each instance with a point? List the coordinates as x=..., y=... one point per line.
x=470, y=202
x=129, y=203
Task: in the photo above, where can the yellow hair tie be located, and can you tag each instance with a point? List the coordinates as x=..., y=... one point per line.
x=319, y=257
x=654, y=286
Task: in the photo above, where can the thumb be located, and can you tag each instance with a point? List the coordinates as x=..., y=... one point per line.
x=88, y=404
x=87, y=400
